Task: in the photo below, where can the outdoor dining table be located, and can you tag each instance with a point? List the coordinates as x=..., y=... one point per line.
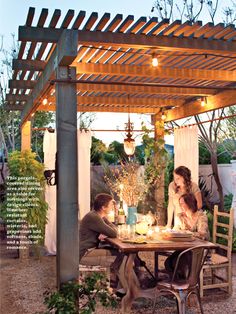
x=133, y=289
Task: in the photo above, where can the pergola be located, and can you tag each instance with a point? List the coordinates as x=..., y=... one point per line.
x=104, y=65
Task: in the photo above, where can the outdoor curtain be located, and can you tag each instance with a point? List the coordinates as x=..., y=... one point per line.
x=49, y=149
x=186, y=149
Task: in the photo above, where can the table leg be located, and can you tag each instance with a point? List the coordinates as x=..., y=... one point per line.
x=156, y=264
x=131, y=284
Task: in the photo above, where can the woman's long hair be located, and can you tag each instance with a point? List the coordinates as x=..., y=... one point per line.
x=186, y=174
x=190, y=201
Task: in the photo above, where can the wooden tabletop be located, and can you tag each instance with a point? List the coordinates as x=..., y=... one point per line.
x=159, y=246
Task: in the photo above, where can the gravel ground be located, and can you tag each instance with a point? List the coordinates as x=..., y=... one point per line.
x=23, y=285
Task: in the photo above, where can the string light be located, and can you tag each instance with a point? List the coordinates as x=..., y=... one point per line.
x=154, y=60
x=45, y=101
x=205, y=55
x=203, y=101
x=163, y=116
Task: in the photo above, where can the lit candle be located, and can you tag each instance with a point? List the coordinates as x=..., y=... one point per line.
x=150, y=234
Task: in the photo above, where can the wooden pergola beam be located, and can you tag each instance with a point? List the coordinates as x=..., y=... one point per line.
x=42, y=34
x=16, y=97
x=24, y=84
x=220, y=100
x=14, y=107
x=64, y=54
x=138, y=89
x=158, y=72
x=136, y=41
x=126, y=102
x=105, y=108
x=28, y=65
x=107, y=88
x=200, y=45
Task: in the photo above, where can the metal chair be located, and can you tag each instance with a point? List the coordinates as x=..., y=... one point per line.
x=217, y=271
x=183, y=288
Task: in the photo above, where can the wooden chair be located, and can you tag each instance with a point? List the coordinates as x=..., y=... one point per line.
x=217, y=271
x=183, y=288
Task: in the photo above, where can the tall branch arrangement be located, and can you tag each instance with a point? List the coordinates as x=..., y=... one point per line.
x=127, y=181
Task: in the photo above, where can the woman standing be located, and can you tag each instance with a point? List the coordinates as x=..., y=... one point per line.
x=181, y=184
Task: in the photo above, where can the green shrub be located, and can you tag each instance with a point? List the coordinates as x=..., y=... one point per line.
x=22, y=165
x=82, y=297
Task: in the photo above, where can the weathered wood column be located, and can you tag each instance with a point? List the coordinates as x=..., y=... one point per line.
x=159, y=192
x=67, y=184
x=26, y=136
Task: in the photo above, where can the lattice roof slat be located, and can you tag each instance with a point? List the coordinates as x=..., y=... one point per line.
x=159, y=27
x=91, y=20
x=31, y=51
x=114, y=23
x=137, y=25
x=125, y=24
x=230, y=36
x=182, y=28
x=102, y=22
x=214, y=31
x=68, y=18
x=190, y=31
x=148, y=26
x=170, y=28
x=228, y=29
x=79, y=19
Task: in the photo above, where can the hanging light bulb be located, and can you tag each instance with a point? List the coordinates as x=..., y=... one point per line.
x=45, y=101
x=154, y=60
x=129, y=142
x=203, y=101
x=163, y=116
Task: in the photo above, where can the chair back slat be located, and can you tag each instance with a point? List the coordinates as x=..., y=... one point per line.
x=219, y=224
x=223, y=240
x=221, y=235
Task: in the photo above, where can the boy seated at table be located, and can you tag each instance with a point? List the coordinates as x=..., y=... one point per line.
x=94, y=227
x=192, y=219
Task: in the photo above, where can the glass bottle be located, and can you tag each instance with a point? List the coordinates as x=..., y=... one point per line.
x=121, y=214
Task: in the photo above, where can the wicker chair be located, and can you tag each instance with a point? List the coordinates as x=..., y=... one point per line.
x=217, y=271
x=182, y=289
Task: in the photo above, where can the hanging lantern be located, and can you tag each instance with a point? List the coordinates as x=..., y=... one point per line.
x=129, y=142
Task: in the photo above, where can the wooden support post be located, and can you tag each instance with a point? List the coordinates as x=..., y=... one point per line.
x=26, y=136
x=67, y=183
x=159, y=192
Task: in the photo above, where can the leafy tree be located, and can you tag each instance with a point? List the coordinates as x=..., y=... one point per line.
x=98, y=150
x=117, y=150
x=223, y=157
